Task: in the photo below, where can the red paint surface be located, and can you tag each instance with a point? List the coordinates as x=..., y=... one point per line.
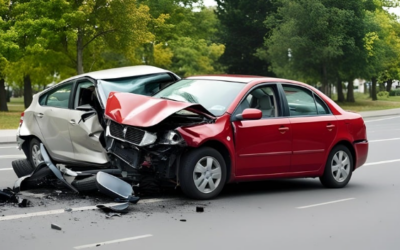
x=144, y=111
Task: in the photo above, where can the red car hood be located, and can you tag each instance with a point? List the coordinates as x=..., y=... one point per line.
x=145, y=111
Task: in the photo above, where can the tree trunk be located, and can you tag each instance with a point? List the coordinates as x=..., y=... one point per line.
x=373, y=89
x=325, y=87
x=365, y=88
x=340, y=95
x=389, y=85
x=79, y=52
x=27, y=91
x=3, y=96
x=350, y=91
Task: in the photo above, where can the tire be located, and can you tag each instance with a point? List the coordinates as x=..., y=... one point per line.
x=206, y=180
x=22, y=167
x=35, y=157
x=338, y=168
x=87, y=184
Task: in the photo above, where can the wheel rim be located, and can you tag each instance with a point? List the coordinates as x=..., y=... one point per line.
x=36, y=155
x=207, y=174
x=340, y=166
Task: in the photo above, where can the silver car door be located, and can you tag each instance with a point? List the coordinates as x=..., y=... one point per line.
x=52, y=117
x=84, y=126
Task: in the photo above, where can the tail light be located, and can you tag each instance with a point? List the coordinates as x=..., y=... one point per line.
x=21, y=120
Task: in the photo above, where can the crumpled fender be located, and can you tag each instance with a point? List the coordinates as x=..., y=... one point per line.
x=144, y=111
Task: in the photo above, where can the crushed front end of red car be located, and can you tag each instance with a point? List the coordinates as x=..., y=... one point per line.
x=142, y=137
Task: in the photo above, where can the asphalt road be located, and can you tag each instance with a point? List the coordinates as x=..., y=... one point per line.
x=278, y=214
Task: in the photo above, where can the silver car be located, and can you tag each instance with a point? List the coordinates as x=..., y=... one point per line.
x=68, y=117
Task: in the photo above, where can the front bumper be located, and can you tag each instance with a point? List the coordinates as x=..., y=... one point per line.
x=361, y=149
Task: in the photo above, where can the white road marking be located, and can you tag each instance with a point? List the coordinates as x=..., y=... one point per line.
x=381, y=162
x=60, y=211
x=10, y=147
x=384, y=130
x=325, y=203
x=392, y=139
x=11, y=156
x=5, y=169
x=113, y=241
x=383, y=119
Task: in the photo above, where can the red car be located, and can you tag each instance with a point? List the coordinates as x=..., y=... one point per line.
x=205, y=131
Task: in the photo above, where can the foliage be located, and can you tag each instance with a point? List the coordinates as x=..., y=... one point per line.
x=242, y=31
x=394, y=92
x=383, y=94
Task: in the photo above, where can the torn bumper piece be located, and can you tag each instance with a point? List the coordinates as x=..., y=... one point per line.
x=18, y=186
x=107, y=184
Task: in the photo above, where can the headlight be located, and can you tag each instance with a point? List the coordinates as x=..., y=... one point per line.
x=171, y=138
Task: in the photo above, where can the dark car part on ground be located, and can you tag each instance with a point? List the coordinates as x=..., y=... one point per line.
x=46, y=172
x=9, y=196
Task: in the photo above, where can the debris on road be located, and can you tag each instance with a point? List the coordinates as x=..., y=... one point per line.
x=109, y=215
x=183, y=220
x=56, y=227
x=119, y=208
x=24, y=203
x=199, y=209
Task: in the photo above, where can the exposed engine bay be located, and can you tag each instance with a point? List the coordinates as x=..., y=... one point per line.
x=153, y=151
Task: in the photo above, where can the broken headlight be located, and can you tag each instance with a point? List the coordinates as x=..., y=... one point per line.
x=171, y=137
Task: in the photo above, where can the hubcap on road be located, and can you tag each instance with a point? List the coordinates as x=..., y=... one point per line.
x=340, y=166
x=207, y=174
x=36, y=155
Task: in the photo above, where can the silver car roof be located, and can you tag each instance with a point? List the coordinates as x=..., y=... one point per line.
x=121, y=72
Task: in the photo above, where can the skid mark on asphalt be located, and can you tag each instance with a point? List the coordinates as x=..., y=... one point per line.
x=325, y=203
x=113, y=241
x=60, y=211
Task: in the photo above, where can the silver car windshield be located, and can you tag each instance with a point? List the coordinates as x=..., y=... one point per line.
x=143, y=85
x=215, y=96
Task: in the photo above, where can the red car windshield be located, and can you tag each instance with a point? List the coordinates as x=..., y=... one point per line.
x=215, y=96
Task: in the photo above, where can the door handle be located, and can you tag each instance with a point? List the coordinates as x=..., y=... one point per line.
x=283, y=129
x=330, y=127
x=40, y=115
x=72, y=121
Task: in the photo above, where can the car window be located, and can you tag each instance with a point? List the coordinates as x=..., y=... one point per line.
x=83, y=93
x=59, y=97
x=300, y=100
x=262, y=98
x=214, y=95
x=321, y=106
x=143, y=85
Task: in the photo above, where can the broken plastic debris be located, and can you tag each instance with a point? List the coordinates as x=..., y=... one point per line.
x=109, y=215
x=68, y=209
x=120, y=208
x=24, y=203
x=183, y=220
x=199, y=209
x=56, y=227
x=7, y=195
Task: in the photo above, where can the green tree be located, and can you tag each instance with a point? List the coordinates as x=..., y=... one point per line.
x=242, y=33
x=309, y=37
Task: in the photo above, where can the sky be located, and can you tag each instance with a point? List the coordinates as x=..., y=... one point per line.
x=209, y=3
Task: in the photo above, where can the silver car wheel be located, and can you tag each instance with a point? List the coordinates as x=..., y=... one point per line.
x=36, y=155
x=207, y=174
x=340, y=166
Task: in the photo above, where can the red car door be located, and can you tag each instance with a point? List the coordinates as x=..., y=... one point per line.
x=263, y=147
x=313, y=129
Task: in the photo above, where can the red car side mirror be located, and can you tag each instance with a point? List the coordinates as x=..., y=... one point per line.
x=250, y=114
